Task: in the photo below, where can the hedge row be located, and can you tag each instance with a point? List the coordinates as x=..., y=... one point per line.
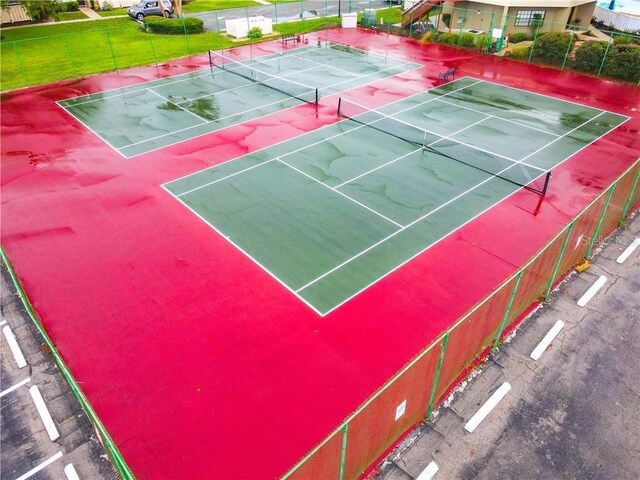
x=173, y=26
x=622, y=61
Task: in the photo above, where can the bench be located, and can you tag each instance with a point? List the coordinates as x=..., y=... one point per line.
x=289, y=37
x=449, y=73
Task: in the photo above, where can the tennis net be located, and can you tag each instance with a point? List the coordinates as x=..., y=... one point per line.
x=297, y=90
x=527, y=176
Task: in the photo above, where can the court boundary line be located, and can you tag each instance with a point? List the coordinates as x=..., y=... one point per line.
x=296, y=294
x=386, y=56
x=118, y=149
x=462, y=225
x=249, y=256
x=324, y=127
x=499, y=118
x=448, y=137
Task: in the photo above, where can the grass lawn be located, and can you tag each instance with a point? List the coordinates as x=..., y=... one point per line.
x=46, y=53
x=59, y=17
x=306, y=26
x=387, y=15
x=112, y=13
x=207, y=5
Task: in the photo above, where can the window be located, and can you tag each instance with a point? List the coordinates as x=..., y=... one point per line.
x=526, y=18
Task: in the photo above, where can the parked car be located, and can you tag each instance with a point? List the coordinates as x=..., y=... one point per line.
x=150, y=7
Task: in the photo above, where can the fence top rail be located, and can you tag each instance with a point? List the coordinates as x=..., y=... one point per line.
x=470, y=312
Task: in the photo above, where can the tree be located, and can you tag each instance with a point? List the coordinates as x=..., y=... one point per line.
x=4, y=4
x=40, y=9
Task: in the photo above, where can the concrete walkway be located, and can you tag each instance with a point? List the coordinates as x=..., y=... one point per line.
x=90, y=13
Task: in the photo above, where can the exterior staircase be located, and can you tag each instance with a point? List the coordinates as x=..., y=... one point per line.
x=419, y=10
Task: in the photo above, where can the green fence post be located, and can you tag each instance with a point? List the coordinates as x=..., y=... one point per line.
x=153, y=50
x=217, y=22
x=627, y=204
x=566, y=55
x=275, y=8
x=436, y=377
x=186, y=36
x=22, y=67
x=507, y=311
x=596, y=232
x=349, y=6
x=411, y=24
x=487, y=47
x=343, y=452
x=535, y=37
x=604, y=57
x=556, y=266
x=113, y=55
x=246, y=12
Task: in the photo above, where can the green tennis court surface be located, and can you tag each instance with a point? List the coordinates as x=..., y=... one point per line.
x=331, y=212
x=137, y=119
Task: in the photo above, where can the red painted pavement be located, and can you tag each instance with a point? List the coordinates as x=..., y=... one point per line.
x=201, y=365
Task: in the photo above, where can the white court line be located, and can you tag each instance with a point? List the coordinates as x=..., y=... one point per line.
x=488, y=406
x=499, y=118
x=204, y=120
x=247, y=254
x=628, y=251
x=15, y=348
x=588, y=295
x=43, y=411
x=429, y=214
x=70, y=472
x=44, y=464
x=343, y=194
x=325, y=65
x=546, y=341
x=386, y=56
x=15, y=387
x=291, y=152
x=429, y=472
x=104, y=140
x=240, y=113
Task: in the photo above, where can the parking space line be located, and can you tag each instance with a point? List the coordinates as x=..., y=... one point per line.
x=429, y=472
x=70, y=472
x=49, y=426
x=44, y=464
x=15, y=387
x=15, y=348
x=628, y=251
x=588, y=295
x=485, y=409
x=546, y=341
x=2, y=323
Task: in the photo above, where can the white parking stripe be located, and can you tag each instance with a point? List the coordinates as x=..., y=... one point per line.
x=592, y=291
x=70, y=472
x=15, y=387
x=15, y=348
x=485, y=409
x=44, y=413
x=44, y=464
x=546, y=341
x=429, y=472
x=629, y=250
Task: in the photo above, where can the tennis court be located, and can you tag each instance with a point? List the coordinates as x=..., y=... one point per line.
x=141, y=118
x=331, y=212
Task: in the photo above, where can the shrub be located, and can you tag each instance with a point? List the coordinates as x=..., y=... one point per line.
x=623, y=62
x=431, y=36
x=106, y=6
x=518, y=37
x=481, y=41
x=255, y=32
x=520, y=53
x=622, y=40
x=467, y=40
x=552, y=47
x=448, y=38
x=40, y=9
x=173, y=26
x=446, y=18
x=589, y=56
x=71, y=6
